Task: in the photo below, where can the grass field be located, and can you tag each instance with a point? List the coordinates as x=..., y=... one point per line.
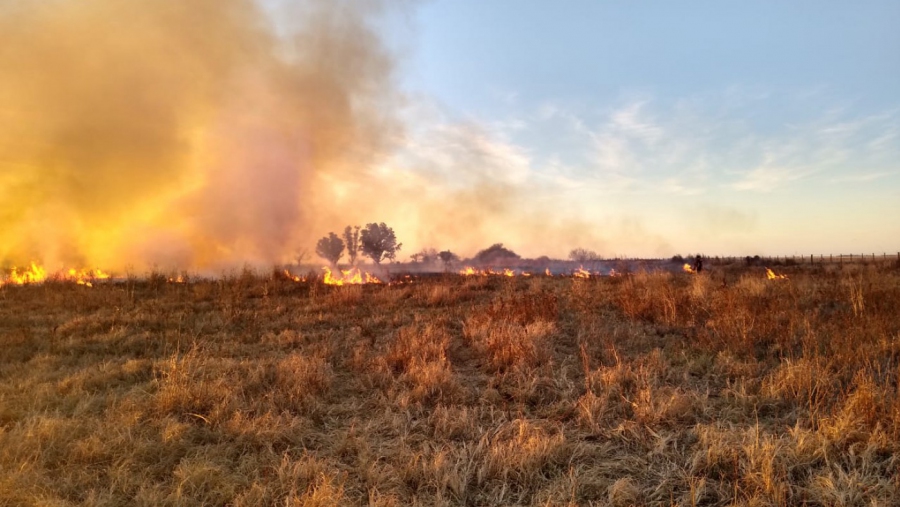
x=646, y=389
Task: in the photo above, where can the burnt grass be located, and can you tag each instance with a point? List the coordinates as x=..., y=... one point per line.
x=652, y=388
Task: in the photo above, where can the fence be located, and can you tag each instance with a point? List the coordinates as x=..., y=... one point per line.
x=811, y=259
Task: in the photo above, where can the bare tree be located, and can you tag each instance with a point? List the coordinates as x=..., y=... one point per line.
x=331, y=248
x=378, y=242
x=583, y=255
x=300, y=256
x=448, y=257
x=351, y=239
x=428, y=255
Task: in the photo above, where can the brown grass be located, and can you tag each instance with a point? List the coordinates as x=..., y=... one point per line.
x=648, y=389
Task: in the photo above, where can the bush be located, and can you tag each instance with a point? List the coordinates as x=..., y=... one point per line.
x=494, y=254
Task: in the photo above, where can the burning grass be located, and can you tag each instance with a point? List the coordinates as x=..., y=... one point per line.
x=654, y=388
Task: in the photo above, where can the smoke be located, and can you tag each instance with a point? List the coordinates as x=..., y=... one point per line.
x=191, y=134
x=204, y=135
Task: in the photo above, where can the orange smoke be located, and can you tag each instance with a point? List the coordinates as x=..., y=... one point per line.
x=183, y=134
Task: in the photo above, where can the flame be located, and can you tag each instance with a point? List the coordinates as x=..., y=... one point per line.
x=86, y=277
x=612, y=272
x=38, y=274
x=351, y=276
x=581, y=273
x=688, y=269
x=401, y=281
x=772, y=276
x=470, y=271
x=34, y=274
x=294, y=277
x=547, y=272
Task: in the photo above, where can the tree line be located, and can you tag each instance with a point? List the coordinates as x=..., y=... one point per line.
x=376, y=241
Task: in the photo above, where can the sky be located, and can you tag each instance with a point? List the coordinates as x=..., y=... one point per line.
x=213, y=134
x=666, y=127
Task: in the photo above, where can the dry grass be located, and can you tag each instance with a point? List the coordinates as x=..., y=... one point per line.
x=647, y=389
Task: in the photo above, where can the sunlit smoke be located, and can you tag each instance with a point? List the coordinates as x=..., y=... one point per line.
x=189, y=134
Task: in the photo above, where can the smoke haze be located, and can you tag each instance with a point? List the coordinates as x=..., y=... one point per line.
x=180, y=133
x=209, y=134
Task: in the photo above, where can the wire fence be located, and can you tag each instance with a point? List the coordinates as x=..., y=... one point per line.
x=790, y=260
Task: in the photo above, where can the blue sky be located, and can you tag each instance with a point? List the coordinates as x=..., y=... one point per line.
x=185, y=136
x=657, y=127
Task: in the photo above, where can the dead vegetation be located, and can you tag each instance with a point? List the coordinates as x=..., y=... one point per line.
x=648, y=389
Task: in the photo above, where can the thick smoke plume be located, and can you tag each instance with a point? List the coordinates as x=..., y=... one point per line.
x=183, y=133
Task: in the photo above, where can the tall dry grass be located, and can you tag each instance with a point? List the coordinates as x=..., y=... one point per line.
x=648, y=389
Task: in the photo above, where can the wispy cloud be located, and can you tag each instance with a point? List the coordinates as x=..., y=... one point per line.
x=631, y=121
x=556, y=162
x=862, y=178
x=768, y=178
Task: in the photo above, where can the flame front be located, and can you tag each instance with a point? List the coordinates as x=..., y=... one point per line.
x=470, y=271
x=38, y=274
x=771, y=275
x=351, y=276
x=294, y=277
x=581, y=273
x=34, y=274
x=86, y=277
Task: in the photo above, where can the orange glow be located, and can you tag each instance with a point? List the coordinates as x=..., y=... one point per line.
x=688, y=269
x=86, y=277
x=581, y=273
x=294, y=277
x=34, y=274
x=470, y=271
x=38, y=274
x=402, y=281
x=772, y=276
x=351, y=276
